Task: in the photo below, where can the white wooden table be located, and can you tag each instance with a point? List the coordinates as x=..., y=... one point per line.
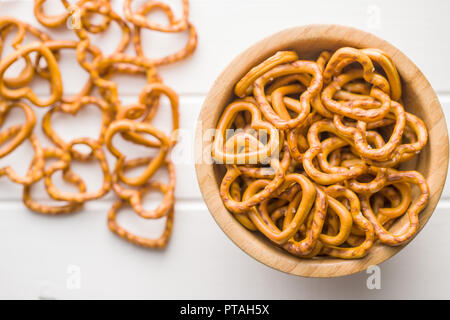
x=76, y=256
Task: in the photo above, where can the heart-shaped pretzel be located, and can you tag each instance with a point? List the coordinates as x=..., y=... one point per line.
x=103, y=8
x=364, y=110
x=98, y=153
x=413, y=211
x=183, y=53
x=300, y=66
x=51, y=21
x=302, y=211
x=155, y=89
x=245, y=86
x=358, y=134
x=36, y=168
x=134, y=195
x=68, y=176
x=306, y=246
x=103, y=68
x=361, y=250
x=138, y=18
x=256, y=156
x=247, y=202
x=56, y=85
x=145, y=242
x=56, y=46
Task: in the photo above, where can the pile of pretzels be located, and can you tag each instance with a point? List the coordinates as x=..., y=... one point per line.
x=312, y=151
x=133, y=122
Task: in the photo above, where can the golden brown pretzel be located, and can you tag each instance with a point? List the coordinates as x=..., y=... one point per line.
x=153, y=89
x=145, y=242
x=103, y=8
x=55, y=46
x=306, y=246
x=132, y=126
x=176, y=25
x=255, y=156
x=355, y=209
x=6, y=25
x=24, y=131
x=185, y=52
x=36, y=168
x=301, y=212
x=358, y=134
x=51, y=21
x=131, y=121
x=395, y=176
x=248, y=201
x=56, y=86
x=68, y=176
x=139, y=19
x=245, y=86
x=313, y=89
x=345, y=137
x=356, y=109
x=73, y=109
x=133, y=196
x=98, y=153
x=121, y=63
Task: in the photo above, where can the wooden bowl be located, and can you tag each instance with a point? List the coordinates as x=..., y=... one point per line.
x=308, y=41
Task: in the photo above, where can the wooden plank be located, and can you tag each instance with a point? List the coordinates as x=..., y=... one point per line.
x=112, y=268
x=226, y=28
x=88, y=123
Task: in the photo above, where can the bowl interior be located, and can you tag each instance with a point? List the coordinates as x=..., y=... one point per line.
x=418, y=98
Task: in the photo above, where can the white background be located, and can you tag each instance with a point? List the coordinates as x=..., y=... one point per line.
x=40, y=255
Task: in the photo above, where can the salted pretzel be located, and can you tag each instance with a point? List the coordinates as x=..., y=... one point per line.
x=364, y=110
x=245, y=86
x=301, y=212
x=358, y=134
x=305, y=98
x=154, y=89
x=68, y=176
x=306, y=246
x=56, y=46
x=133, y=121
x=145, y=242
x=133, y=196
x=255, y=156
x=26, y=92
x=233, y=173
x=121, y=63
x=99, y=155
x=24, y=131
x=107, y=117
x=176, y=25
x=358, y=219
x=335, y=188
x=132, y=126
x=36, y=168
x=104, y=9
x=51, y=21
x=22, y=29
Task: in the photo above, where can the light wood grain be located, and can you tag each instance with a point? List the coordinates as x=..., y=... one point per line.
x=419, y=99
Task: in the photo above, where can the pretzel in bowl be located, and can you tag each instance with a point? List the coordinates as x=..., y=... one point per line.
x=41, y=59
x=345, y=134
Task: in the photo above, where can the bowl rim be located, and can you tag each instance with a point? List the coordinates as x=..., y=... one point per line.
x=268, y=253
